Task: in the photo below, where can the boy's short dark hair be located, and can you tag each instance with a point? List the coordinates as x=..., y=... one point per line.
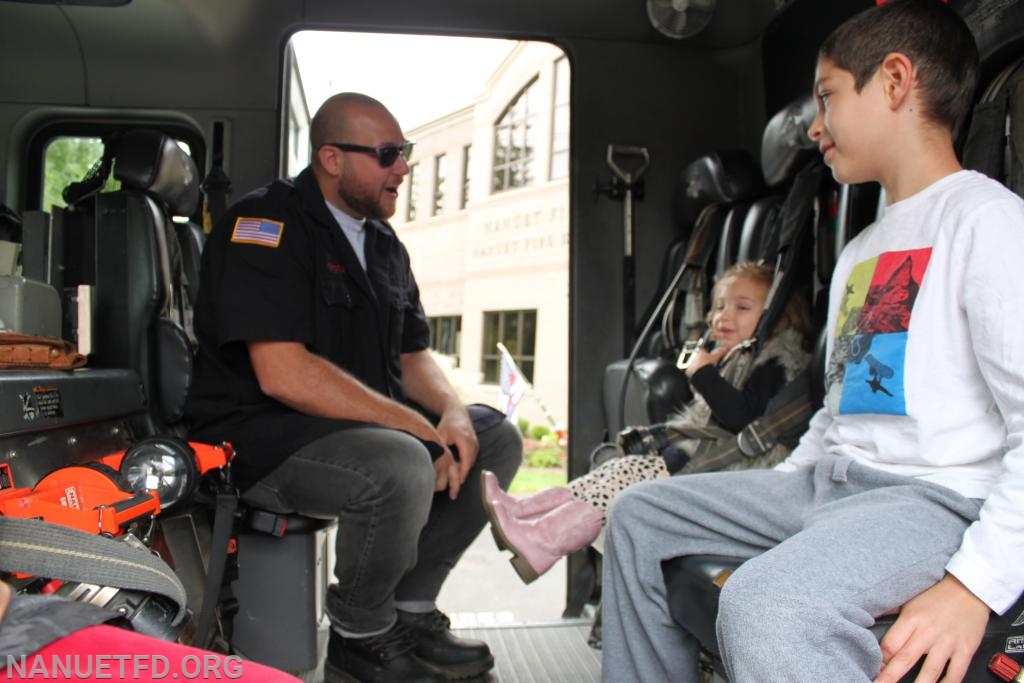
x=931, y=35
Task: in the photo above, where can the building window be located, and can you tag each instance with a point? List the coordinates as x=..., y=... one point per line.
x=515, y=142
x=446, y=334
x=517, y=330
x=414, y=177
x=440, y=171
x=464, y=198
x=560, y=121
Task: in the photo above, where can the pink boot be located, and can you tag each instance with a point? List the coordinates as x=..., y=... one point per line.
x=522, y=506
x=538, y=542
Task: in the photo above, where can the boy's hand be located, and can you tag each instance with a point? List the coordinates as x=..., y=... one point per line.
x=945, y=623
x=702, y=358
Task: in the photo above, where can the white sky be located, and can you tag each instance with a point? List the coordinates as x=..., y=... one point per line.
x=419, y=78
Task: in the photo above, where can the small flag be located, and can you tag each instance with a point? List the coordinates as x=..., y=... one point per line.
x=512, y=381
x=257, y=231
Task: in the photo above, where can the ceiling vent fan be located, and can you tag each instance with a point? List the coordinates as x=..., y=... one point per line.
x=680, y=18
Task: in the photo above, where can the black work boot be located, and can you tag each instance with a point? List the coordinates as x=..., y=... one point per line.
x=456, y=657
x=387, y=658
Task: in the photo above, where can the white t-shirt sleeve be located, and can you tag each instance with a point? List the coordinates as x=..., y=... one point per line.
x=989, y=559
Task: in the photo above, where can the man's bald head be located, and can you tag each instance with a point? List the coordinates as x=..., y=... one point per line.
x=331, y=121
x=347, y=133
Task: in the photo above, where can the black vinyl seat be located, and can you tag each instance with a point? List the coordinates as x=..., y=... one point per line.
x=125, y=243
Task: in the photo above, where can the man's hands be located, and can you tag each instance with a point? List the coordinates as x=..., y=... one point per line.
x=946, y=623
x=289, y=373
x=426, y=385
x=455, y=428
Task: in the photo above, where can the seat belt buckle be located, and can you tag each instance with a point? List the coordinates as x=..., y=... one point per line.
x=689, y=352
x=266, y=522
x=751, y=443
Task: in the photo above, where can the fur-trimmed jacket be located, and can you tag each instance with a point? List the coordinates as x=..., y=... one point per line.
x=737, y=392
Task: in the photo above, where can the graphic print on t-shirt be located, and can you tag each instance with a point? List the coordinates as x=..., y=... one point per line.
x=865, y=370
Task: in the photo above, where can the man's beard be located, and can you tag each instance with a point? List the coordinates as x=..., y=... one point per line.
x=366, y=206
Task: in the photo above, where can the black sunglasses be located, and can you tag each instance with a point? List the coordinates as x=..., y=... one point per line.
x=386, y=154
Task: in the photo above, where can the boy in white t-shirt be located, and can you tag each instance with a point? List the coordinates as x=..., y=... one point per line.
x=906, y=492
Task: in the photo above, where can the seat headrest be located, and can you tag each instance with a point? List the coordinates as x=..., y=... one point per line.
x=722, y=177
x=786, y=147
x=152, y=162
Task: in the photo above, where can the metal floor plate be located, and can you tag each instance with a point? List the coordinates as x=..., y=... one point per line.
x=544, y=652
x=554, y=652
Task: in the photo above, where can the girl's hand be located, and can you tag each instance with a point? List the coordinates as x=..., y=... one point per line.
x=703, y=357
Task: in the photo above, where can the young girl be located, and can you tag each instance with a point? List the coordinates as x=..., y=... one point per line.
x=542, y=527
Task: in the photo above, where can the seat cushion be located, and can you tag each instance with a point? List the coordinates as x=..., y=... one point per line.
x=694, y=584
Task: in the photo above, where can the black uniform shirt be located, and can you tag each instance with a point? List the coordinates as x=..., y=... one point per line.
x=277, y=267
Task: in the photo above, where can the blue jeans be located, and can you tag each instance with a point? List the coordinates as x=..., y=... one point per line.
x=396, y=539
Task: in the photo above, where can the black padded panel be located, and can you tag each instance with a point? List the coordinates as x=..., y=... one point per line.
x=668, y=389
x=150, y=161
x=817, y=369
x=191, y=238
x=860, y=210
x=130, y=288
x=722, y=177
x=755, y=226
x=175, y=369
x=785, y=145
x=729, y=242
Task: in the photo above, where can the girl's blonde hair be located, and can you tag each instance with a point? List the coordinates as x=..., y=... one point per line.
x=796, y=314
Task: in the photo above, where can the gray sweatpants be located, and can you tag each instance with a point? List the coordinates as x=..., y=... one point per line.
x=832, y=547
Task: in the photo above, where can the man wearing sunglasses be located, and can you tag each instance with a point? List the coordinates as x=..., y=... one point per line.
x=313, y=362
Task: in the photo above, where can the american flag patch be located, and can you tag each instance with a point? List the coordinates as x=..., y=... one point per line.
x=257, y=231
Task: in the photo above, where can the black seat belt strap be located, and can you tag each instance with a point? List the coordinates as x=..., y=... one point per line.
x=217, y=185
x=223, y=526
x=795, y=222
x=761, y=435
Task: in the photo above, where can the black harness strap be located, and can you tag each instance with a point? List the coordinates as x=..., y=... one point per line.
x=761, y=435
x=795, y=222
x=718, y=448
x=217, y=185
x=223, y=526
x=31, y=546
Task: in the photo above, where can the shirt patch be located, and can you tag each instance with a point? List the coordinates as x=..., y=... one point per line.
x=257, y=231
x=869, y=347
